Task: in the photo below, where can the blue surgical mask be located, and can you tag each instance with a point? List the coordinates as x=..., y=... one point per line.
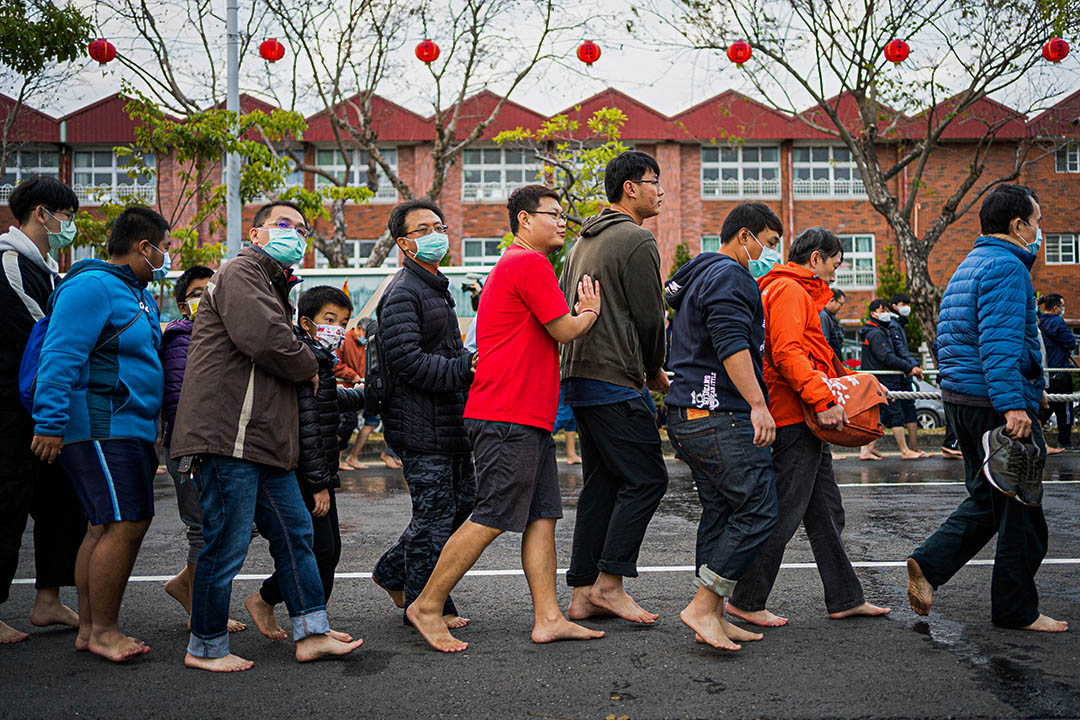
x=159, y=273
x=432, y=247
x=766, y=260
x=1033, y=248
x=285, y=245
x=66, y=236
x=362, y=340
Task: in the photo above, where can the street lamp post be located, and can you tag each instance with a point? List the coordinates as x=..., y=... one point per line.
x=232, y=160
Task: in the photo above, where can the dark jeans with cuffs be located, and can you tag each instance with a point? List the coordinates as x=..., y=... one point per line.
x=1021, y=530
x=327, y=546
x=807, y=495
x=443, y=491
x=625, y=478
x=737, y=489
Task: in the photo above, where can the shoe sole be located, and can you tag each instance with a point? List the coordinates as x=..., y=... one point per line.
x=986, y=468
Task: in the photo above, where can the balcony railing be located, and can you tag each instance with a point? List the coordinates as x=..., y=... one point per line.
x=482, y=192
x=829, y=187
x=98, y=194
x=743, y=188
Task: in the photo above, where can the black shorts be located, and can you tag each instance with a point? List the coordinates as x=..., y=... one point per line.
x=114, y=479
x=898, y=413
x=517, y=480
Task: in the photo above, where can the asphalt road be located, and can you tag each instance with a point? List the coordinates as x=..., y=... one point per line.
x=956, y=664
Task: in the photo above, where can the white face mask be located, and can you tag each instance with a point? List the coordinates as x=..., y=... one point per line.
x=330, y=336
x=904, y=311
x=883, y=317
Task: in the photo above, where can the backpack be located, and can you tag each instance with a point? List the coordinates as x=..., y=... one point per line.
x=860, y=395
x=31, y=357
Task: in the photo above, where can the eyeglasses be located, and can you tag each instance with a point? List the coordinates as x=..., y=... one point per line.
x=286, y=225
x=560, y=215
x=650, y=182
x=424, y=230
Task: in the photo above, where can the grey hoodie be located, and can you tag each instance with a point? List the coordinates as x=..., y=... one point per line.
x=627, y=342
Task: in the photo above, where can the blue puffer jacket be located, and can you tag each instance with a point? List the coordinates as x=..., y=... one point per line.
x=988, y=337
x=174, y=349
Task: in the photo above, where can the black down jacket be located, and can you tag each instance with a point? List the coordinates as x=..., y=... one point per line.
x=427, y=365
x=317, y=469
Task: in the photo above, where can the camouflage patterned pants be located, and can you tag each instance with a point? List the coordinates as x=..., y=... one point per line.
x=443, y=490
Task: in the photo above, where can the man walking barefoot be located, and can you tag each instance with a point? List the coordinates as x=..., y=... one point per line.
x=509, y=414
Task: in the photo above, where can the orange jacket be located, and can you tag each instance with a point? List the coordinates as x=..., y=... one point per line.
x=351, y=359
x=795, y=348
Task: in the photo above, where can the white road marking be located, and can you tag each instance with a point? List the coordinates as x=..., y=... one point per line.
x=562, y=571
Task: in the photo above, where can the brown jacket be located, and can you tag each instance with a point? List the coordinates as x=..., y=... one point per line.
x=239, y=392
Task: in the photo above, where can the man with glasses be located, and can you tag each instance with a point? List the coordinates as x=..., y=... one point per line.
x=602, y=378
x=236, y=433
x=428, y=371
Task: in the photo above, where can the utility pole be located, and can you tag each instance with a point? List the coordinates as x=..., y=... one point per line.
x=232, y=160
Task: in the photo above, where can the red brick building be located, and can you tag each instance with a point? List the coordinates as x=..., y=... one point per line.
x=722, y=151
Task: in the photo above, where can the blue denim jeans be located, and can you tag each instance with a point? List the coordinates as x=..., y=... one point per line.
x=737, y=489
x=232, y=494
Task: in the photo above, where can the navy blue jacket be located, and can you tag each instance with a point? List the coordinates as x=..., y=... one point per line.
x=879, y=353
x=1058, y=338
x=718, y=313
x=988, y=337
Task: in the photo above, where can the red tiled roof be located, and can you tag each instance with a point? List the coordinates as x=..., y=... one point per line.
x=731, y=115
x=478, y=107
x=984, y=116
x=30, y=125
x=642, y=122
x=1062, y=119
x=847, y=110
x=101, y=122
x=392, y=122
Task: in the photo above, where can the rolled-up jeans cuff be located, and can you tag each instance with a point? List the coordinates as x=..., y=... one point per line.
x=709, y=580
x=213, y=647
x=310, y=622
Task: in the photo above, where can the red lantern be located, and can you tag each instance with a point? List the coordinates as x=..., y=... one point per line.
x=271, y=50
x=1055, y=50
x=103, y=51
x=897, y=51
x=739, y=52
x=588, y=52
x=427, y=51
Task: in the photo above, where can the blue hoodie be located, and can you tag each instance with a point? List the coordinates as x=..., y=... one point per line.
x=93, y=383
x=718, y=313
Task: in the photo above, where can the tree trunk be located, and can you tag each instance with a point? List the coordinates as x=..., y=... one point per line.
x=334, y=246
x=382, y=248
x=925, y=296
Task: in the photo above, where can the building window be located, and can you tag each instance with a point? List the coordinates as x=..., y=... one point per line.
x=358, y=252
x=24, y=164
x=102, y=176
x=334, y=162
x=1063, y=249
x=480, y=251
x=859, y=271
x=491, y=174
x=740, y=172
x=826, y=170
x=1067, y=159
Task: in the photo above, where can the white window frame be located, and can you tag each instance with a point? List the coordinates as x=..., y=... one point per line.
x=1067, y=159
x=91, y=193
x=495, y=190
x=846, y=273
x=386, y=193
x=831, y=186
x=1056, y=242
x=739, y=187
x=23, y=171
x=356, y=257
x=485, y=258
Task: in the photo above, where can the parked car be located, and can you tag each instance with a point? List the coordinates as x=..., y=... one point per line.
x=930, y=413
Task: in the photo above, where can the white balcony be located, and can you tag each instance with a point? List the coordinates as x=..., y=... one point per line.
x=98, y=194
x=740, y=189
x=484, y=192
x=825, y=187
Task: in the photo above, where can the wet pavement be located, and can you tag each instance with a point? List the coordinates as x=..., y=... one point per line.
x=953, y=664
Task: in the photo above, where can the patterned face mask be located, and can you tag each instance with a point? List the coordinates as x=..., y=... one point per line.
x=330, y=336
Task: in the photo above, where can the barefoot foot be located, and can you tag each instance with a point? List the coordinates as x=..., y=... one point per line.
x=236, y=626
x=82, y=640
x=179, y=589
x=562, y=629
x=581, y=609
x=116, y=646
x=455, y=622
x=340, y=636
x=263, y=615
x=573, y=460
x=761, y=618
x=390, y=461
x=317, y=647
x=229, y=663
x=708, y=629
x=617, y=602
x=9, y=635
x=920, y=593
x=865, y=609
x=434, y=630
x=871, y=457
x=58, y=614
x=1047, y=624
x=397, y=596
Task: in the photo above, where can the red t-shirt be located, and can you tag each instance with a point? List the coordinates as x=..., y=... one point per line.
x=517, y=376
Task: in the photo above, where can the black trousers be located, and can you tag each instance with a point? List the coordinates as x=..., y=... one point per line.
x=326, y=543
x=624, y=480
x=1021, y=530
x=30, y=488
x=1060, y=383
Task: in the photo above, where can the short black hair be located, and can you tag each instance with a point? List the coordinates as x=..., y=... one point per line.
x=900, y=298
x=754, y=216
x=41, y=190
x=838, y=294
x=527, y=198
x=877, y=304
x=1004, y=203
x=815, y=239
x=629, y=165
x=135, y=224
x=195, y=272
x=1052, y=301
x=311, y=302
x=396, y=223
x=264, y=212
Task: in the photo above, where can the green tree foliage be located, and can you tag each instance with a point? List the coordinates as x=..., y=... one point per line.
x=680, y=258
x=35, y=33
x=891, y=280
